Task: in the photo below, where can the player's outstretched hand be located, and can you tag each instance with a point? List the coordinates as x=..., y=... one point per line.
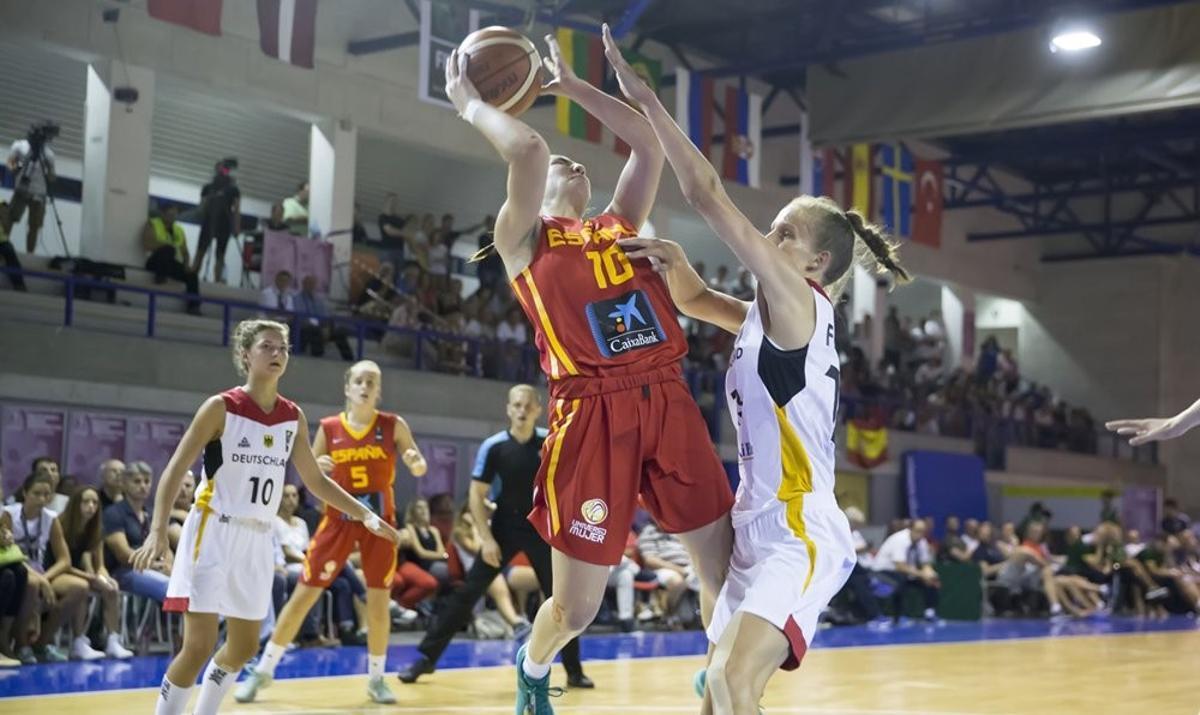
x=632, y=85
x=459, y=88
x=1146, y=430
x=563, y=79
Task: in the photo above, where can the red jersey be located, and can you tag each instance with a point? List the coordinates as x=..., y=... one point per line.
x=594, y=312
x=364, y=462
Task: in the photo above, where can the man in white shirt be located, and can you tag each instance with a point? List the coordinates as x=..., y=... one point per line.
x=30, y=187
x=665, y=555
x=905, y=557
x=279, y=296
x=859, y=583
x=295, y=211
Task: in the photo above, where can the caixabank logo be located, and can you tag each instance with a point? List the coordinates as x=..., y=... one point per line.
x=623, y=324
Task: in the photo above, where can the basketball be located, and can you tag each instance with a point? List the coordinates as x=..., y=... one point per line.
x=505, y=67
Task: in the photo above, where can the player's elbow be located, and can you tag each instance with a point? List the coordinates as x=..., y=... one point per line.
x=701, y=189
x=529, y=147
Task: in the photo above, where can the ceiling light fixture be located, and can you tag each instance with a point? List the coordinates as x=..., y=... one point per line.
x=1074, y=40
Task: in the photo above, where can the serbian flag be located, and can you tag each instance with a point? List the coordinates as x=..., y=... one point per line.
x=895, y=208
x=199, y=15
x=861, y=180
x=743, y=137
x=694, y=107
x=927, y=219
x=287, y=30
x=584, y=53
x=866, y=443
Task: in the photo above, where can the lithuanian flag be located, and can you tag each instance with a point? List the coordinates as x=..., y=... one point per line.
x=584, y=53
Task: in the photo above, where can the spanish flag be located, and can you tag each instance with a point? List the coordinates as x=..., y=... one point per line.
x=866, y=443
x=584, y=53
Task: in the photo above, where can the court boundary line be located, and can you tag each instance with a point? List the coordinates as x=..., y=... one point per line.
x=667, y=657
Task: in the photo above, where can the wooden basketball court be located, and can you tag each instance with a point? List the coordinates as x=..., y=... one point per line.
x=1079, y=675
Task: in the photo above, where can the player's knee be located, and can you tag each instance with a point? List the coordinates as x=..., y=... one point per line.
x=734, y=682
x=573, y=617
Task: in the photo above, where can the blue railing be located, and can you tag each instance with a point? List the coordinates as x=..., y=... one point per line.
x=498, y=354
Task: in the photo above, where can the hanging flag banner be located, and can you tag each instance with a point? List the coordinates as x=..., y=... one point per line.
x=583, y=52
x=861, y=180
x=743, y=137
x=199, y=15
x=443, y=27
x=287, y=30
x=895, y=207
x=809, y=182
x=694, y=107
x=927, y=219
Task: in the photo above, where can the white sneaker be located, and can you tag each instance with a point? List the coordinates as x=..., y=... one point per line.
x=82, y=650
x=114, y=649
x=407, y=616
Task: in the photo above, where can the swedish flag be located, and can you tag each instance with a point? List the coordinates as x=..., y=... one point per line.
x=897, y=170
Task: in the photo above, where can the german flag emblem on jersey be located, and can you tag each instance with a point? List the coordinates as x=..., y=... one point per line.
x=268, y=441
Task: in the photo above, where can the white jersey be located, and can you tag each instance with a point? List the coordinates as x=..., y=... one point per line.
x=245, y=468
x=783, y=403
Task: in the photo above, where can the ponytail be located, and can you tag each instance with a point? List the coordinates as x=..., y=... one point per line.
x=883, y=250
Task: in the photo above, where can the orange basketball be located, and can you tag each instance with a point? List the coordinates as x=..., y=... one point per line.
x=505, y=67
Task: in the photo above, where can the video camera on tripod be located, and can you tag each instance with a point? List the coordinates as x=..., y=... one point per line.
x=39, y=135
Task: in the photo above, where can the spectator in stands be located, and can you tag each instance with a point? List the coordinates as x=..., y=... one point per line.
x=425, y=542
x=743, y=287
x=166, y=250
x=81, y=527
x=988, y=553
x=1108, y=511
x=31, y=185
x=411, y=584
x=220, y=217
x=452, y=353
x=317, y=329
x=418, y=240
x=970, y=534
x=48, y=467
x=665, y=555
x=180, y=509
x=295, y=211
x=1159, y=560
x=279, y=296
x=1032, y=569
x=276, y=222
x=50, y=587
x=8, y=254
x=906, y=558
x=292, y=533
x=489, y=269
x=126, y=526
x=358, y=231
x=378, y=297
x=391, y=227
x=468, y=542
x=953, y=547
x=513, y=336
x=859, y=583
x=111, y=479
x=14, y=582
x=1174, y=520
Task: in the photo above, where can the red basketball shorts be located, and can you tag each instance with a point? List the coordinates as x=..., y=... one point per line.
x=335, y=540
x=617, y=438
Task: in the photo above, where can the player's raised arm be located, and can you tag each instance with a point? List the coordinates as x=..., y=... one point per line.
x=637, y=186
x=521, y=147
x=688, y=290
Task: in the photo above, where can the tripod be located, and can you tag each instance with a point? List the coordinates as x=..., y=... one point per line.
x=37, y=162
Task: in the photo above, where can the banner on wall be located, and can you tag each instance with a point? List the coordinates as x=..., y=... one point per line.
x=153, y=440
x=442, y=461
x=299, y=255
x=93, y=438
x=443, y=26
x=26, y=434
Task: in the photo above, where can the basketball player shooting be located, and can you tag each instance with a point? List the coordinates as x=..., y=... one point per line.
x=622, y=422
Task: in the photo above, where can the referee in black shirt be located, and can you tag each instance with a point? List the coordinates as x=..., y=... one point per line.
x=512, y=456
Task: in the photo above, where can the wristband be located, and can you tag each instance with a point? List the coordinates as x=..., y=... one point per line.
x=471, y=110
x=372, y=522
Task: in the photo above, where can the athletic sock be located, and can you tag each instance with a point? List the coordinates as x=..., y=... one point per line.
x=534, y=671
x=1055, y=609
x=172, y=698
x=270, y=658
x=217, y=682
x=375, y=665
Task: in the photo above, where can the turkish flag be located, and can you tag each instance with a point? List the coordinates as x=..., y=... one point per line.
x=927, y=214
